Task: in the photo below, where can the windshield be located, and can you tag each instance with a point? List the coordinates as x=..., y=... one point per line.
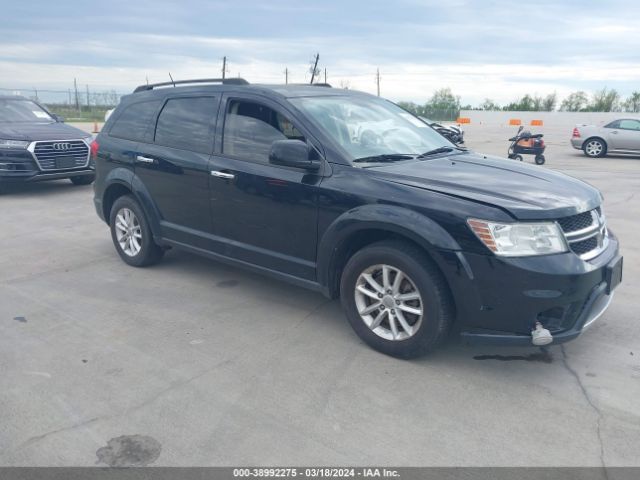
x=21, y=110
x=368, y=127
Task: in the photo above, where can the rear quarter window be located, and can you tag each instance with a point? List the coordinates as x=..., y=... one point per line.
x=134, y=120
x=187, y=124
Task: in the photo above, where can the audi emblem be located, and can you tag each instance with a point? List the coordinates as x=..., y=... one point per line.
x=61, y=146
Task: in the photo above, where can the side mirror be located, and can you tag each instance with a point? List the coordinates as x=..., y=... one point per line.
x=57, y=118
x=292, y=153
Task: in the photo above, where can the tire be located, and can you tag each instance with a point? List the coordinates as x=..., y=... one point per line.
x=595, y=148
x=83, y=179
x=540, y=159
x=421, y=276
x=518, y=158
x=141, y=250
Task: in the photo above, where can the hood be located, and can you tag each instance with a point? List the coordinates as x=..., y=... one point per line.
x=527, y=192
x=40, y=131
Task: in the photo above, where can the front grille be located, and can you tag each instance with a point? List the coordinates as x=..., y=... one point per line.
x=585, y=232
x=61, y=155
x=576, y=222
x=585, y=246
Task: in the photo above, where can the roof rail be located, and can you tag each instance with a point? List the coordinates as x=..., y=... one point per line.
x=224, y=81
x=326, y=85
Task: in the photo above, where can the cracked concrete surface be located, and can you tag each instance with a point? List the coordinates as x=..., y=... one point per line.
x=589, y=400
x=224, y=367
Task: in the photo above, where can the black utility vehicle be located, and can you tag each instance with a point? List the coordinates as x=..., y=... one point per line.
x=36, y=145
x=348, y=194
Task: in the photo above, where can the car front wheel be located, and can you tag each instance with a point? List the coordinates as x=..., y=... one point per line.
x=131, y=234
x=396, y=299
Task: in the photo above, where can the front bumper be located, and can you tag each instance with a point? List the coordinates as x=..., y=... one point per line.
x=43, y=177
x=499, y=300
x=19, y=166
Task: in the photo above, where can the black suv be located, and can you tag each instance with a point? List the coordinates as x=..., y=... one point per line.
x=347, y=194
x=36, y=145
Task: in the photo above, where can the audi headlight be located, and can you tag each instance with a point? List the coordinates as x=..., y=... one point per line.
x=519, y=239
x=13, y=143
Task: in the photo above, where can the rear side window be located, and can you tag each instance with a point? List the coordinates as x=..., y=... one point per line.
x=187, y=124
x=133, y=121
x=250, y=129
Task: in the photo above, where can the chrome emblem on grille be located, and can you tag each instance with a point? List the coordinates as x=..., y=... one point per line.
x=61, y=146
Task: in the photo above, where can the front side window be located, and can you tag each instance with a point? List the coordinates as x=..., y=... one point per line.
x=365, y=127
x=133, y=122
x=251, y=128
x=187, y=124
x=630, y=124
x=20, y=110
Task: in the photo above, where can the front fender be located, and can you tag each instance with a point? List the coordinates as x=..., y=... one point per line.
x=402, y=221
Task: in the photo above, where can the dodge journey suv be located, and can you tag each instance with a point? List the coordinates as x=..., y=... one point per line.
x=347, y=194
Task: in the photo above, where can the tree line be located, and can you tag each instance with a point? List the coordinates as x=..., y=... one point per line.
x=604, y=100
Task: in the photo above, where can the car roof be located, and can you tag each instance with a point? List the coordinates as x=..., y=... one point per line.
x=283, y=91
x=13, y=97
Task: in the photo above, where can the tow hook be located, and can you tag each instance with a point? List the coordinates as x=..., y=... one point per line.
x=541, y=336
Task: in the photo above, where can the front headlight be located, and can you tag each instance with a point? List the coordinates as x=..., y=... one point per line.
x=14, y=143
x=519, y=239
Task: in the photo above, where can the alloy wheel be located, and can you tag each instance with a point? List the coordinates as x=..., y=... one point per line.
x=593, y=148
x=389, y=302
x=128, y=232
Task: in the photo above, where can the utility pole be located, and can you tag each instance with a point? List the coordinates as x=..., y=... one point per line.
x=325, y=74
x=378, y=80
x=224, y=67
x=286, y=76
x=314, y=70
x=75, y=88
x=88, y=103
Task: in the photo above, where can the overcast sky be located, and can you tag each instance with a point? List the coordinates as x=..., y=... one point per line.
x=499, y=49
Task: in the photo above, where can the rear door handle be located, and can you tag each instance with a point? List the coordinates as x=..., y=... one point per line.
x=142, y=159
x=217, y=173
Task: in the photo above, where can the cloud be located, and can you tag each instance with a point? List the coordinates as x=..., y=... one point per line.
x=479, y=49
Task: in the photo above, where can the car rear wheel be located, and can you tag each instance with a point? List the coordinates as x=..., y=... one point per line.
x=131, y=234
x=396, y=299
x=83, y=180
x=594, y=148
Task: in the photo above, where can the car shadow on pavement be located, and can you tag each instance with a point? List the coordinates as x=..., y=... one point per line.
x=327, y=318
x=57, y=187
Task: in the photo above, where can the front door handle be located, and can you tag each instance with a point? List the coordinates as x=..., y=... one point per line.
x=142, y=159
x=219, y=174
x=615, y=132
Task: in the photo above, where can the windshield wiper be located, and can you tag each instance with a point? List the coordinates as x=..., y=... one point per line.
x=436, y=151
x=385, y=157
